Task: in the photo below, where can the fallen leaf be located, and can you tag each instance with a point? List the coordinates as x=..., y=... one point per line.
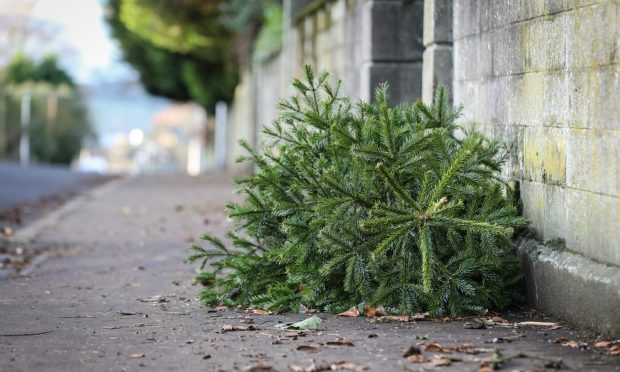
x=296, y=368
x=614, y=350
x=136, y=356
x=498, y=319
x=232, y=328
x=370, y=312
x=417, y=358
x=540, y=324
x=348, y=366
x=395, y=318
x=571, y=344
x=308, y=348
x=437, y=348
x=462, y=348
x=602, y=344
x=485, y=368
x=566, y=342
x=439, y=361
x=340, y=342
x=311, y=323
x=351, y=313
x=261, y=312
x=261, y=368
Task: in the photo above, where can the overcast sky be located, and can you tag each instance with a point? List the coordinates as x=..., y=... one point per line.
x=81, y=26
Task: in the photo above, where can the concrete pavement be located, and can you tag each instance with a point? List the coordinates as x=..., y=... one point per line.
x=116, y=295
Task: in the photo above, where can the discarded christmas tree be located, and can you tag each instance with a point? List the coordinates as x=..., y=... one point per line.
x=395, y=207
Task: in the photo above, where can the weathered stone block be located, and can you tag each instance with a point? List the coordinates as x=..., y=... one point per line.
x=466, y=94
x=533, y=197
x=437, y=21
x=594, y=225
x=493, y=101
x=544, y=155
x=466, y=53
x=503, y=12
x=546, y=43
x=395, y=31
x=529, y=9
x=593, y=96
x=485, y=55
x=593, y=160
x=466, y=18
x=437, y=70
x=591, y=38
x=527, y=99
x=578, y=94
x=404, y=79
x=603, y=98
x=509, y=50
x=555, y=222
x=555, y=99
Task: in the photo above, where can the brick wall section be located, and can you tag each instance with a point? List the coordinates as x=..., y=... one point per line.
x=546, y=75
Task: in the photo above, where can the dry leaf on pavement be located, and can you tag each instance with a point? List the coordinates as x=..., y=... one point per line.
x=351, y=313
x=341, y=342
x=372, y=312
x=437, y=348
x=417, y=358
x=550, y=325
x=136, y=356
x=602, y=344
x=566, y=342
x=308, y=348
x=232, y=328
x=439, y=361
x=261, y=312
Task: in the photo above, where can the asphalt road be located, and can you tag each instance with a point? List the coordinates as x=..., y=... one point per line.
x=19, y=185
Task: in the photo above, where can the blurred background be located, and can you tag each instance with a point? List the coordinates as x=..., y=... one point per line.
x=127, y=86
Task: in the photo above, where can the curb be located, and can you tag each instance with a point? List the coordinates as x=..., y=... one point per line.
x=32, y=231
x=571, y=286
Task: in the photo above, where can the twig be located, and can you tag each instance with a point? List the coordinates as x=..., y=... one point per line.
x=26, y=334
x=76, y=317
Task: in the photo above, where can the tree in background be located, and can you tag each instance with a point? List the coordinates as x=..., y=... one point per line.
x=187, y=49
x=59, y=119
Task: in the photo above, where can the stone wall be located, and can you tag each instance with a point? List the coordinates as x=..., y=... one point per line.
x=542, y=75
x=545, y=76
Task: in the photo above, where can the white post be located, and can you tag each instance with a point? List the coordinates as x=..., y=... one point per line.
x=24, y=140
x=221, y=113
x=194, y=157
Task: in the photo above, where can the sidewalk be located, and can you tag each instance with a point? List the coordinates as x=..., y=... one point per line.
x=115, y=294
